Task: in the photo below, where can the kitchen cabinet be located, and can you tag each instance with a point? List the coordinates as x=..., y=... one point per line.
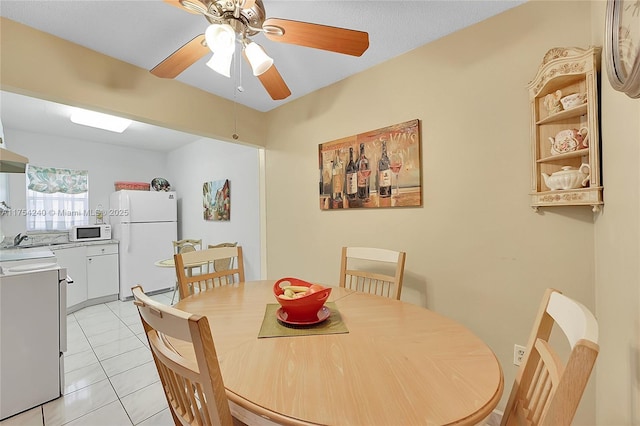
x=94, y=270
x=74, y=260
x=102, y=270
x=565, y=140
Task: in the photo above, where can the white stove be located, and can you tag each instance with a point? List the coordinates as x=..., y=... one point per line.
x=14, y=261
x=33, y=329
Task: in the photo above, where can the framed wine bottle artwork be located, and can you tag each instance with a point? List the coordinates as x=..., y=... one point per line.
x=376, y=169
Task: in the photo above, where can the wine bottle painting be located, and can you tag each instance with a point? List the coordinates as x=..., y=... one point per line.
x=379, y=168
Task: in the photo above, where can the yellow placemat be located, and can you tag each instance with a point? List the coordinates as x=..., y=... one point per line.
x=271, y=327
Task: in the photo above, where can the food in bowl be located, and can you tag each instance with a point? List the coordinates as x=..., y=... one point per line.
x=300, y=299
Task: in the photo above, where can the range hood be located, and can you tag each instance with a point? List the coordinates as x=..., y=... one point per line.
x=10, y=162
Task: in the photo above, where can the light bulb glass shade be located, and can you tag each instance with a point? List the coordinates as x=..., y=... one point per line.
x=221, y=63
x=99, y=120
x=220, y=38
x=259, y=60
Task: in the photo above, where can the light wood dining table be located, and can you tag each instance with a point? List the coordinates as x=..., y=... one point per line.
x=399, y=363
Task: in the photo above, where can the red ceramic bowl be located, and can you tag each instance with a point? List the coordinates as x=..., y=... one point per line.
x=304, y=308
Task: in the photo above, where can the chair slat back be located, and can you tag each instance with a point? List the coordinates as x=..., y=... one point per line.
x=373, y=270
x=195, y=391
x=547, y=391
x=211, y=278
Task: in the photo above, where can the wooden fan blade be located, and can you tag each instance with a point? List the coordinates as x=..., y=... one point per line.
x=274, y=84
x=182, y=58
x=333, y=39
x=179, y=5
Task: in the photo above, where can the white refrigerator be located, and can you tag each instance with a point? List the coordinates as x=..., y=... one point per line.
x=145, y=224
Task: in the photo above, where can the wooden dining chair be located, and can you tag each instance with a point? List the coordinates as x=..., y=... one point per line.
x=188, y=244
x=195, y=392
x=547, y=391
x=223, y=264
x=185, y=246
x=373, y=270
x=210, y=277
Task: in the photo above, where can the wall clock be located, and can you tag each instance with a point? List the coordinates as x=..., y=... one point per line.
x=622, y=45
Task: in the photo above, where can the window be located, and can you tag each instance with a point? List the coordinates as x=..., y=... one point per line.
x=57, y=199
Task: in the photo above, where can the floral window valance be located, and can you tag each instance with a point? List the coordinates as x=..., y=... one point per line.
x=50, y=180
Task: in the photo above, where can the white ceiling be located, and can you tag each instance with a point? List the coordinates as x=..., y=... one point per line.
x=144, y=32
x=39, y=116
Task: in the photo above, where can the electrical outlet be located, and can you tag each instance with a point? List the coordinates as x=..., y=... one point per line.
x=518, y=354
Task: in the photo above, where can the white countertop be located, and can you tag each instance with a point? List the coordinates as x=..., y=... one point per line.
x=40, y=250
x=80, y=244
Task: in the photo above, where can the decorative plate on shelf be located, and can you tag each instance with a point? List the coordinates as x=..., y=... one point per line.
x=160, y=184
x=622, y=45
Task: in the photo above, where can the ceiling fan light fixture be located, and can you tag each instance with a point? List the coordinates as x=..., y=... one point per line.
x=220, y=38
x=99, y=120
x=221, y=63
x=259, y=60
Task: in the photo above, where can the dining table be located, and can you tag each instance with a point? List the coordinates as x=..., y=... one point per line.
x=380, y=362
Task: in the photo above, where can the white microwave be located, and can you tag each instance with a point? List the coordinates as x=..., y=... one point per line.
x=90, y=233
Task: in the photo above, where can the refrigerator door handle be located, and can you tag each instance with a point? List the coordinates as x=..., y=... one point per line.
x=127, y=239
x=127, y=203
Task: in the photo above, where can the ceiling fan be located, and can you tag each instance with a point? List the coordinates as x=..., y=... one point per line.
x=234, y=21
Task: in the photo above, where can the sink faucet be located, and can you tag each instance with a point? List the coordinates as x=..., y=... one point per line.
x=19, y=238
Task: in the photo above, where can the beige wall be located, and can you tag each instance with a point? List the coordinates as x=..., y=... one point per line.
x=476, y=251
x=617, y=250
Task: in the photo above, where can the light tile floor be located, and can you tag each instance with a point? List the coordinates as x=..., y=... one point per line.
x=110, y=377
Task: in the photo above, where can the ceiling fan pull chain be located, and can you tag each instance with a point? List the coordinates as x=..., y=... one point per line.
x=238, y=88
x=235, y=118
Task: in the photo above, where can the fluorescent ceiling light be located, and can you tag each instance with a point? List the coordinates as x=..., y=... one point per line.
x=99, y=120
